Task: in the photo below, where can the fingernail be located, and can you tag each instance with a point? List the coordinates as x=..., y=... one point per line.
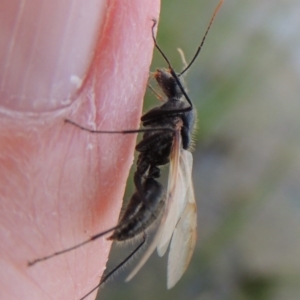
x=45, y=51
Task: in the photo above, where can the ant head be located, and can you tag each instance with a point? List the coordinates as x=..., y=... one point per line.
x=167, y=83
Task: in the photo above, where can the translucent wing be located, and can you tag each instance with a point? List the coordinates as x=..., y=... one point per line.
x=185, y=234
x=176, y=194
x=179, y=219
x=162, y=233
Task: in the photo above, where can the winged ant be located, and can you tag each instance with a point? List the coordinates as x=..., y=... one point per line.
x=167, y=131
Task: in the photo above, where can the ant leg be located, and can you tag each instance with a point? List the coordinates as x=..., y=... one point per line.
x=115, y=269
x=107, y=276
x=92, y=238
x=130, y=131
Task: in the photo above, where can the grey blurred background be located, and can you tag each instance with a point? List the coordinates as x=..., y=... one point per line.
x=245, y=84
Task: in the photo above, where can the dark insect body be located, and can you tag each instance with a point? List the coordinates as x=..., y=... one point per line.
x=155, y=149
x=167, y=137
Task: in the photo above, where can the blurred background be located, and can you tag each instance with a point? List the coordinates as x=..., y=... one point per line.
x=245, y=85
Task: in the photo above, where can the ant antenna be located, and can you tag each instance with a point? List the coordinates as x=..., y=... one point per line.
x=203, y=39
x=172, y=72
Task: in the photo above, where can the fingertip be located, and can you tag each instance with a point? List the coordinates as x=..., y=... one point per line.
x=60, y=184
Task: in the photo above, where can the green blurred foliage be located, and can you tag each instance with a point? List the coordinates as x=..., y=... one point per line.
x=245, y=85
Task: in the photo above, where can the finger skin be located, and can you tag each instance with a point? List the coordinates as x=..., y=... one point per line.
x=58, y=184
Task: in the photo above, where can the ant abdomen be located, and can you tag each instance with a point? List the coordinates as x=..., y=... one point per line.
x=141, y=211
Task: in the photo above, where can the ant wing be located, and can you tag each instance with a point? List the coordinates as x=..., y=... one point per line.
x=179, y=179
x=177, y=190
x=185, y=234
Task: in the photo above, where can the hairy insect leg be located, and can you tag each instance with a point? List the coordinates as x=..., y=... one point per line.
x=110, y=273
x=115, y=269
x=92, y=238
x=129, y=131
